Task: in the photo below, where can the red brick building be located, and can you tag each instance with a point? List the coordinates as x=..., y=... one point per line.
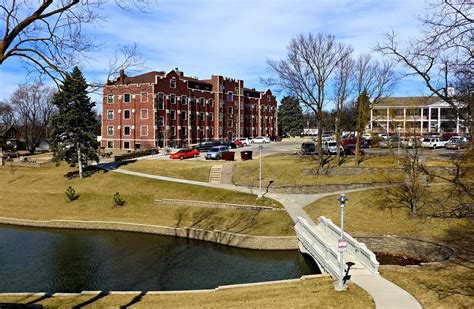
x=158, y=108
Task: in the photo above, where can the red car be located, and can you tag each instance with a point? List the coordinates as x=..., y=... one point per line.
x=348, y=141
x=185, y=154
x=238, y=143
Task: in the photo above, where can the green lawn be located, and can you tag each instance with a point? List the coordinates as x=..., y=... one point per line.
x=310, y=293
x=38, y=193
x=184, y=169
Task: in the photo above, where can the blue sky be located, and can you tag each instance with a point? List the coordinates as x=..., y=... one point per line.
x=234, y=38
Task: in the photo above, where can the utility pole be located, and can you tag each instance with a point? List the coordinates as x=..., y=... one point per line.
x=342, y=245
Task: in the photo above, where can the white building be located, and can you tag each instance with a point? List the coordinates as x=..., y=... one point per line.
x=415, y=115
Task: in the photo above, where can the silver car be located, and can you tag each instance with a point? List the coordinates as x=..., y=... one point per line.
x=215, y=153
x=457, y=143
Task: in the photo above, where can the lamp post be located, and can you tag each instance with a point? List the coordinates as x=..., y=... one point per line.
x=260, y=148
x=342, y=245
x=398, y=149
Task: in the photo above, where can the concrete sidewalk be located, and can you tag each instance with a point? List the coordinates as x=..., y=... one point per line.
x=385, y=293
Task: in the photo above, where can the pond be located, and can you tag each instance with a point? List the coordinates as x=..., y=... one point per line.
x=62, y=260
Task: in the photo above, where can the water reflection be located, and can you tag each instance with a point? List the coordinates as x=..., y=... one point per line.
x=53, y=260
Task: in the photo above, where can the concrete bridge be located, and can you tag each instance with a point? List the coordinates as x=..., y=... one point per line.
x=321, y=243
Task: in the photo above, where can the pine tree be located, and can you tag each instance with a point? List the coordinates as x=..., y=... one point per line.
x=290, y=116
x=74, y=126
x=363, y=117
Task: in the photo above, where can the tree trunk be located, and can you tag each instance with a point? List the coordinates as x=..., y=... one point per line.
x=357, y=149
x=79, y=160
x=338, y=141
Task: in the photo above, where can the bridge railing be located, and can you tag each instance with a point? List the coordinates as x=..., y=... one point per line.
x=357, y=249
x=326, y=257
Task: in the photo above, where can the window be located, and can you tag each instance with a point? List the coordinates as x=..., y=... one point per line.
x=161, y=100
x=110, y=114
x=126, y=145
x=193, y=101
x=229, y=110
x=110, y=144
x=172, y=131
x=173, y=83
x=236, y=105
x=201, y=116
x=172, y=99
x=183, y=131
x=161, y=121
x=269, y=98
x=183, y=100
x=110, y=98
x=211, y=130
x=211, y=116
x=183, y=115
x=126, y=114
x=202, y=101
x=173, y=115
x=211, y=103
x=144, y=97
x=144, y=113
x=110, y=130
x=229, y=123
x=229, y=96
x=126, y=130
x=192, y=116
x=126, y=98
x=143, y=130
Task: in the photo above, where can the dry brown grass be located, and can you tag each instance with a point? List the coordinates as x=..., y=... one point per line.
x=38, y=193
x=291, y=170
x=441, y=286
x=310, y=293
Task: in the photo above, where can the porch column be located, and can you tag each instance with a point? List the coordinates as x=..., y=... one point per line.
x=371, y=119
x=388, y=123
x=421, y=120
x=429, y=120
x=404, y=119
x=439, y=119
x=457, y=123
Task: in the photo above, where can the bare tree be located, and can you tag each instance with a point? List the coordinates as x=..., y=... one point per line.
x=377, y=79
x=34, y=110
x=343, y=88
x=47, y=36
x=7, y=114
x=307, y=70
x=443, y=48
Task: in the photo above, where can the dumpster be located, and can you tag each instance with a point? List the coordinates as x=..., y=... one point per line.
x=228, y=156
x=246, y=155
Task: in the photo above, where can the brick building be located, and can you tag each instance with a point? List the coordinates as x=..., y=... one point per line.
x=171, y=109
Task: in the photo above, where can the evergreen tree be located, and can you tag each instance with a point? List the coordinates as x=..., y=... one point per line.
x=363, y=117
x=74, y=126
x=290, y=116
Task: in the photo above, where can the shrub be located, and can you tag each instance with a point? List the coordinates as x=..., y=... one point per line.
x=117, y=200
x=71, y=194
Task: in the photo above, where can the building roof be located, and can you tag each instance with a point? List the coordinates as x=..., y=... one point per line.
x=146, y=78
x=407, y=101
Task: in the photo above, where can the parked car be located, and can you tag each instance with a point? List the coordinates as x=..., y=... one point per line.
x=244, y=140
x=276, y=138
x=238, y=143
x=330, y=147
x=433, y=143
x=184, y=154
x=308, y=148
x=389, y=143
x=231, y=145
x=457, y=142
x=260, y=140
x=411, y=142
x=205, y=146
x=350, y=150
x=215, y=153
x=348, y=141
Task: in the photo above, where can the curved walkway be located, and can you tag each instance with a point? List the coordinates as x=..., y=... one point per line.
x=385, y=293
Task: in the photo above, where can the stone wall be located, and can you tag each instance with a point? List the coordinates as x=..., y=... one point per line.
x=408, y=246
x=219, y=237
x=176, y=202
x=316, y=189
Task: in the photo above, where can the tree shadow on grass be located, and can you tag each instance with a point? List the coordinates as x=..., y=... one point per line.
x=92, y=169
x=92, y=300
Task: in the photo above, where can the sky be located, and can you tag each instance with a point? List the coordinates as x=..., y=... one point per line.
x=234, y=38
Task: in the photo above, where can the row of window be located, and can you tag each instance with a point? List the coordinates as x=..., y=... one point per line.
x=127, y=130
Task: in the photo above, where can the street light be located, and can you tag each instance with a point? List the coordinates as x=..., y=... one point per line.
x=342, y=244
x=260, y=148
x=398, y=149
